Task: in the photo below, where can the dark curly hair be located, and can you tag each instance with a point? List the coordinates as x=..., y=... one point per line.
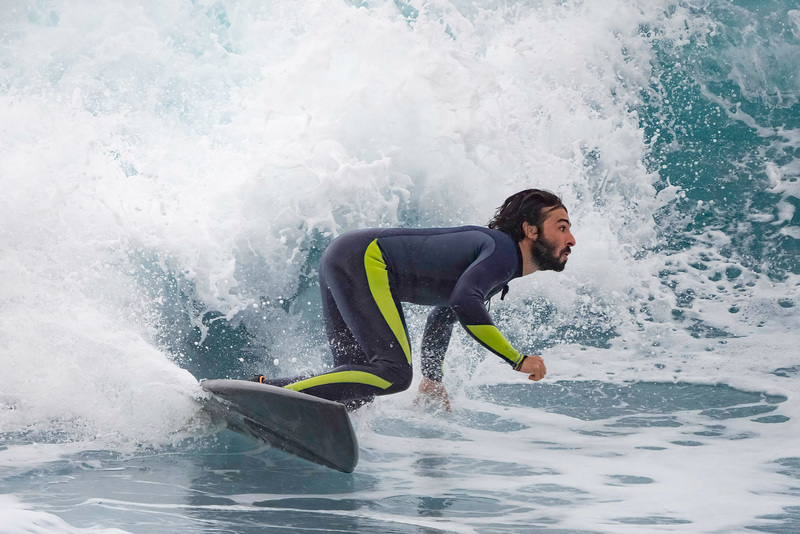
x=531, y=206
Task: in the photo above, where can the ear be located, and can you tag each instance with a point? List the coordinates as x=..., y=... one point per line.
x=530, y=231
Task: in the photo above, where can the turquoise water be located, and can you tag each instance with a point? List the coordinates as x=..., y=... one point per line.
x=171, y=172
x=424, y=476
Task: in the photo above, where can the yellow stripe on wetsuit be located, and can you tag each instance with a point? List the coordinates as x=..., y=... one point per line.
x=378, y=279
x=491, y=337
x=357, y=377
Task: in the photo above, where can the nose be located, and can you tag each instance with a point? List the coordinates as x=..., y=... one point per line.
x=570, y=240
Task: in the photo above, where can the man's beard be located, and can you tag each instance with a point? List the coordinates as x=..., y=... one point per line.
x=546, y=257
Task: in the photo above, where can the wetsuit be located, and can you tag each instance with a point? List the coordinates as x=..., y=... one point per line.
x=364, y=277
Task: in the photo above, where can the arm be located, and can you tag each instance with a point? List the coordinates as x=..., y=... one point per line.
x=491, y=270
x=438, y=330
x=435, y=340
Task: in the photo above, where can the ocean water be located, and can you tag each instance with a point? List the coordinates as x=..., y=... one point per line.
x=171, y=171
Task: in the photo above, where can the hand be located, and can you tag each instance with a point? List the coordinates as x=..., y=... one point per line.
x=431, y=392
x=534, y=367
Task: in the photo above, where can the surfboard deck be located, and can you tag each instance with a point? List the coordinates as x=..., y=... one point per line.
x=315, y=429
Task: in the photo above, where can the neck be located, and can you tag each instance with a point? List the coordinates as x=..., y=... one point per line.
x=528, y=265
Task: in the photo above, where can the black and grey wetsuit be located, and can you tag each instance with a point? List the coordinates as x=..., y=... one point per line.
x=364, y=277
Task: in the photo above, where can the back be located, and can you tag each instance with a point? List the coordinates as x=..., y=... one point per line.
x=425, y=265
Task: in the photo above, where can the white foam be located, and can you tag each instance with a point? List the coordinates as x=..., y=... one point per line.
x=17, y=518
x=215, y=140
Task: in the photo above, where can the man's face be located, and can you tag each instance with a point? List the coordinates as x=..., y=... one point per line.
x=554, y=243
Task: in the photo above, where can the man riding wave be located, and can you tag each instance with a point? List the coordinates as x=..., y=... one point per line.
x=366, y=275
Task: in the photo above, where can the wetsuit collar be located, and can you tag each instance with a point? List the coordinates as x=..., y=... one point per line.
x=517, y=272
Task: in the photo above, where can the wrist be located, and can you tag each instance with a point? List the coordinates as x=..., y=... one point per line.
x=518, y=366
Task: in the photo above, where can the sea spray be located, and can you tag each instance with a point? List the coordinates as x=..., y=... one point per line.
x=171, y=173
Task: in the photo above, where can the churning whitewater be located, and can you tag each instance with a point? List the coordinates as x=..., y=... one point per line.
x=172, y=171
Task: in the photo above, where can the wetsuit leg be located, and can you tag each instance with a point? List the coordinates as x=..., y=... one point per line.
x=344, y=346
x=365, y=323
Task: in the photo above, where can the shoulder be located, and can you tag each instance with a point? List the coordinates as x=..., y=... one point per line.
x=477, y=234
x=502, y=241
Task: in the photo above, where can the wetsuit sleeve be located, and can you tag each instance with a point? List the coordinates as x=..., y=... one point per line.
x=491, y=269
x=435, y=340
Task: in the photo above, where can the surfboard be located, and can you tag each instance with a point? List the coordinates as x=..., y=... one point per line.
x=315, y=429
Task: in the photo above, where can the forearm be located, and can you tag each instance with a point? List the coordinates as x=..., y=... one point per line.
x=490, y=337
x=435, y=340
x=474, y=317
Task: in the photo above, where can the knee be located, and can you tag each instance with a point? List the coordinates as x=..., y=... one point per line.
x=401, y=379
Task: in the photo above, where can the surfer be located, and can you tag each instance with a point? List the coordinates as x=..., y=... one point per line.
x=365, y=275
